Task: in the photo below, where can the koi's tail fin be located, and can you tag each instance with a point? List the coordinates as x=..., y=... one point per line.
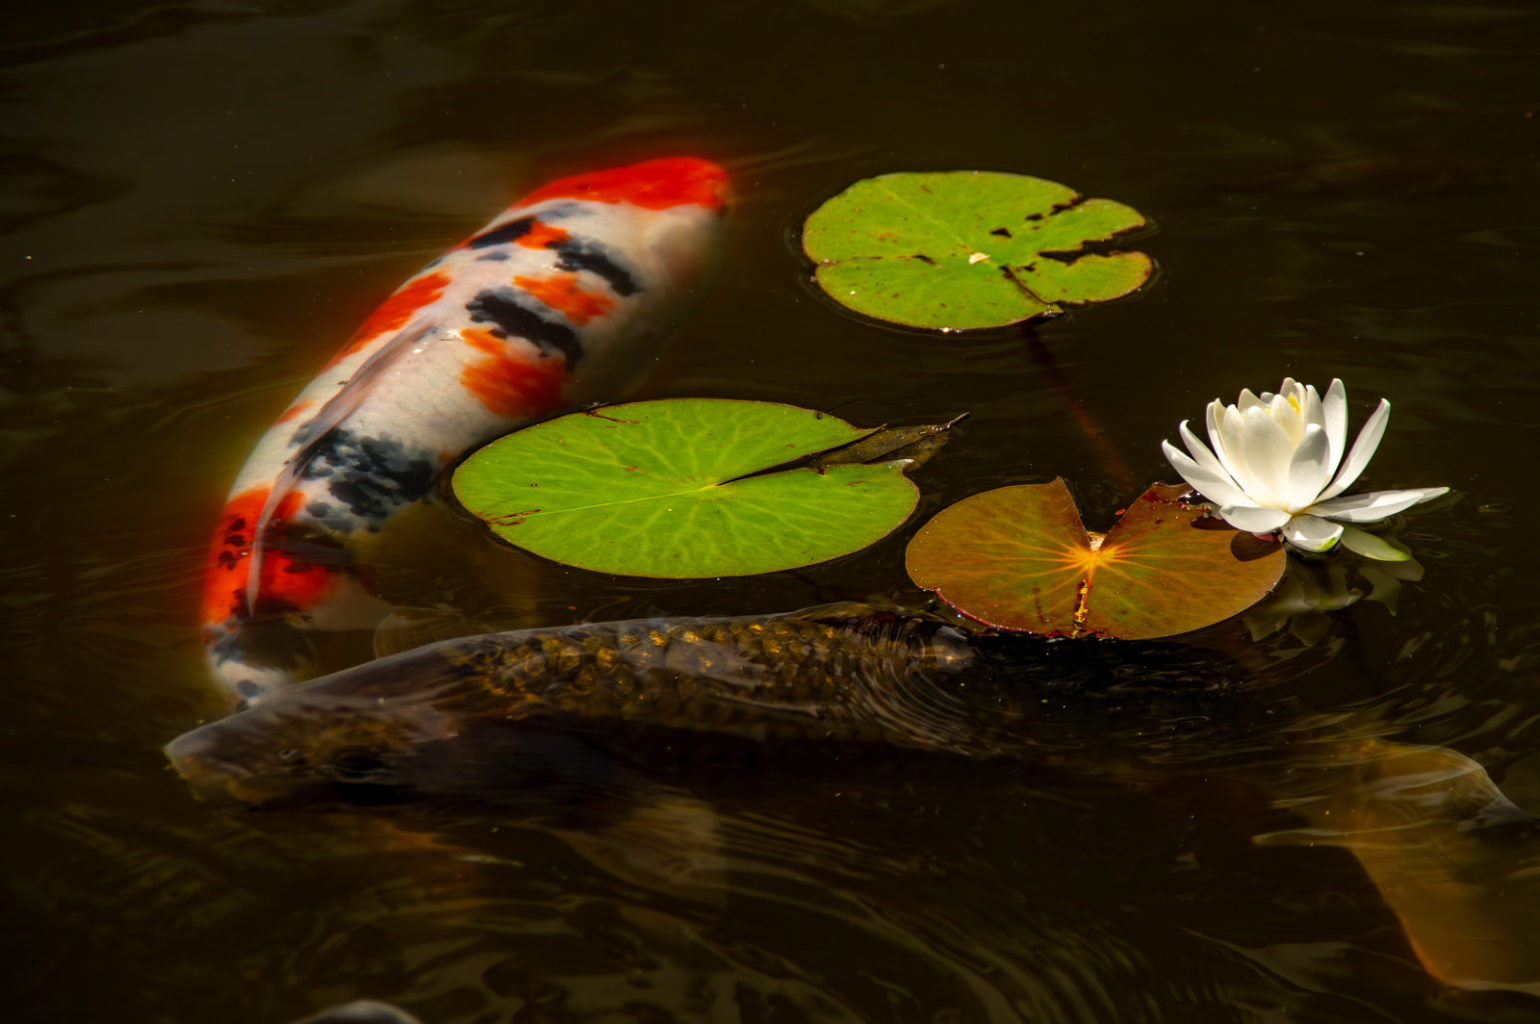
x=1449, y=853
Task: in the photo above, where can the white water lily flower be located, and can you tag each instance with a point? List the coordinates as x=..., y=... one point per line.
x=1277, y=464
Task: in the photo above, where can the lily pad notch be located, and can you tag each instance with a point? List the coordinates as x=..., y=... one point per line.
x=1020, y=559
x=967, y=250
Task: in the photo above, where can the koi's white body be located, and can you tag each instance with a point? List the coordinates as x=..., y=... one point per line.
x=555, y=303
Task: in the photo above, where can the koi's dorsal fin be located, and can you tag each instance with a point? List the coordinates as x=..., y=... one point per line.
x=877, y=613
x=310, y=437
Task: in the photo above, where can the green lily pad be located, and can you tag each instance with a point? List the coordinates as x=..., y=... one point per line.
x=1019, y=558
x=959, y=250
x=678, y=489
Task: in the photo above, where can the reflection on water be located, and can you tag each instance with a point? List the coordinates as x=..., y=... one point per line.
x=202, y=202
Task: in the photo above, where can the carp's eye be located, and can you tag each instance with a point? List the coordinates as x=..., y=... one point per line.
x=358, y=765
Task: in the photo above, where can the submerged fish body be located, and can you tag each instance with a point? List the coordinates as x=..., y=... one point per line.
x=828, y=676
x=492, y=713
x=554, y=303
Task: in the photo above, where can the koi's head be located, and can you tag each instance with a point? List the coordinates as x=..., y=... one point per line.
x=420, y=724
x=286, y=748
x=356, y=735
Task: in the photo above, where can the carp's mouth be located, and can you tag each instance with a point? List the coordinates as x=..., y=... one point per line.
x=309, y=746
x=353, y=776
x=213, y=778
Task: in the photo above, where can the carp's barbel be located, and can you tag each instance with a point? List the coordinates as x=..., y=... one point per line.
x=552, y=304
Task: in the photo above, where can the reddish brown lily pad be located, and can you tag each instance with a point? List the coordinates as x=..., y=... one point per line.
x=1019, y=558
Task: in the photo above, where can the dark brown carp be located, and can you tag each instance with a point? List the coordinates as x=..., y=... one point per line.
x=488, y=710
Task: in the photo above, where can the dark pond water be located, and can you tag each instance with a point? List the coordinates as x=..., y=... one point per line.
x=202, y=200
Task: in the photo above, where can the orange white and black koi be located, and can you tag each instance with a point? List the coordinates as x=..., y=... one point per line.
x=552, y=304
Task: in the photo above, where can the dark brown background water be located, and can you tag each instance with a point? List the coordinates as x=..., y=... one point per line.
x=202, y=200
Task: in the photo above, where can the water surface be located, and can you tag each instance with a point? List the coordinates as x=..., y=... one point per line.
x=201, y=202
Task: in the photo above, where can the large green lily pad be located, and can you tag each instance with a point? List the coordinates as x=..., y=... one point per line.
x=959, y=250
x=1019, y=558
x=664, y=488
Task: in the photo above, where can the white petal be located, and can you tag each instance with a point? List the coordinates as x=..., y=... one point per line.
x=1308, y=471
x=1310, y=407
x=1268, y=451
x=1247, y=400
x=1363, y=450
x=1311, y=533
x=1362, y=542
x=1252, y=519
x=1374, y=505
x=1232, y=445
x=1214, y=415
x=1201, y=453
x=1214, y=486
x=1283, y=413
x=1334, y=411
x=1294, y=392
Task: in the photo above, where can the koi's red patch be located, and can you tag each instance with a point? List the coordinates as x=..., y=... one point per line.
x=284, y=579
x=295, y=411
x=653, y=185
x=224, y=583
x=562, y=293
x=542, y=235
x=511, y=387
x=395, y=311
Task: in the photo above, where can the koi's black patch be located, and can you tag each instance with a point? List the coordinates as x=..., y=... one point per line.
x=502, y=233
x=576, y=254
x=511, y=319
x=369, y=478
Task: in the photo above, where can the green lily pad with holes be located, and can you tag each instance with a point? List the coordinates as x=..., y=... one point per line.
x=676, y=488
x=962, y=250
x=1019, y=558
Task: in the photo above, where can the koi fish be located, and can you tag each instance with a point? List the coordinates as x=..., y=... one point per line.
x=545, y=308
x=502, y=711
